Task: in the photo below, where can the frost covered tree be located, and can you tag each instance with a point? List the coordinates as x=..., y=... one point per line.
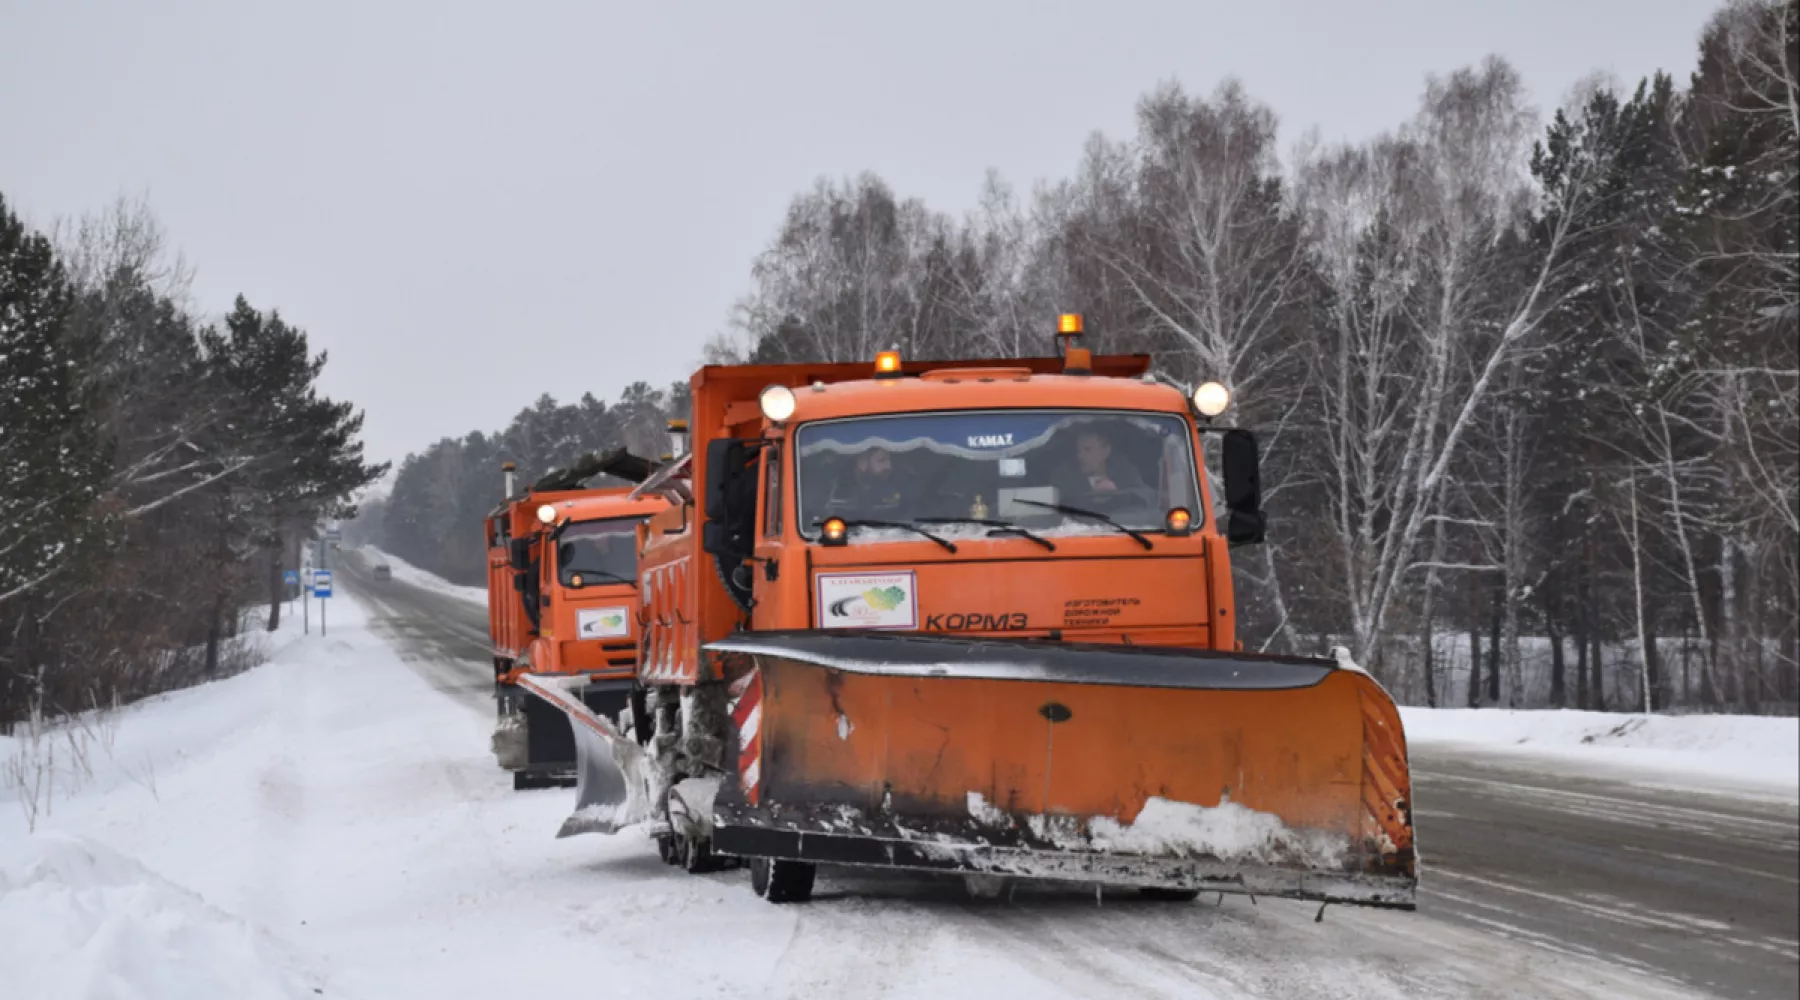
x=154, y=463
x=51, y=467
x=1527, y=389
x=432, y=518
x=290, y=457
x=1431, y=291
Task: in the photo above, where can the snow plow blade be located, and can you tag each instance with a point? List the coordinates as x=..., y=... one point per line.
x=1155, y=767
x=612, y=788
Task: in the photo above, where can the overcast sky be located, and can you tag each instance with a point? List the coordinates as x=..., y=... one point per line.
x=469, y=204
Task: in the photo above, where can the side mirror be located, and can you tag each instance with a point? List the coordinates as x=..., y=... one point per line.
x=730, y=501
x=520, y=552
x=1242, y=462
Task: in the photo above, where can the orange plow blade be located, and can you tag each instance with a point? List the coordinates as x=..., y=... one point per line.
x=1163, y=768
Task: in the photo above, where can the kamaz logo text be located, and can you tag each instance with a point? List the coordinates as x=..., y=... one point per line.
x=990, y=440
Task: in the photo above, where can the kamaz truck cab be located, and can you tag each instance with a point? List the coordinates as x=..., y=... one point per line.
x=563, y=600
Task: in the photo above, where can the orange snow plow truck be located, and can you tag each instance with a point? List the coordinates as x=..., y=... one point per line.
x=976, y=618
x=563, y=602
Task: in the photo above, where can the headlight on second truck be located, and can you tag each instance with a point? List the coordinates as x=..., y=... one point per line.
x=777, y=403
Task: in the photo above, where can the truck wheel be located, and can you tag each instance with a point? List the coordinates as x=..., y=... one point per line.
x=782, y=881
x=1169, y=895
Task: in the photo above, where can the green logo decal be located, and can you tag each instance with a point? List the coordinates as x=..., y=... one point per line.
x=884, y=598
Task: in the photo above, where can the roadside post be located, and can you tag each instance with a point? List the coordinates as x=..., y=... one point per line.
x=290, y=578
x=322, y=590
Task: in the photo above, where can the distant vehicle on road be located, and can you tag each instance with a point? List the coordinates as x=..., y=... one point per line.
x=382, y=572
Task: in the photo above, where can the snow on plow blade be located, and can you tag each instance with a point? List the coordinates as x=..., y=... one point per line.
x=1141, y=766
x=612, y=772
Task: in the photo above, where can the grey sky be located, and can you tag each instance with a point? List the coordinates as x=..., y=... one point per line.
x=470, y=204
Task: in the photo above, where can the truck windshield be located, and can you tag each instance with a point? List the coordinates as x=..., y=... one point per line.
x=1000, y=465
x=599, y=551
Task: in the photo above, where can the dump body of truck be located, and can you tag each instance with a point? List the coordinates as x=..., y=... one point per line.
x=1011, y=654
x=563, y=601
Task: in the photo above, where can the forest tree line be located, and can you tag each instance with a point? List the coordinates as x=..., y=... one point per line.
x=157, y=471
x=1527, y=391
x=433, y=517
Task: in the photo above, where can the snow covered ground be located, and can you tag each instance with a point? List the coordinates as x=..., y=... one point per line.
x=1747, y=753
x=329, y=824
x=409, y=573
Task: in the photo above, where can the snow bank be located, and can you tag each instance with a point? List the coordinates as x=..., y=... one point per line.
x=408, y=573
x=79, y=920
x=1750, y=750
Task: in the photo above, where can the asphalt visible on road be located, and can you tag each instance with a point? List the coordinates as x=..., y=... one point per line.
x=1696, y=889
x=443, y=638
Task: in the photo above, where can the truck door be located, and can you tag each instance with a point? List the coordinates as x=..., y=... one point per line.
x=772, y=609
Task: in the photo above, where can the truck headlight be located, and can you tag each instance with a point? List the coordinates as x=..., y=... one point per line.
x=1211, y=398
x=777, y=403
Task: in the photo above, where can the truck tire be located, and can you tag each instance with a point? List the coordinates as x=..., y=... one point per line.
x=781, y=881
x=741, y=595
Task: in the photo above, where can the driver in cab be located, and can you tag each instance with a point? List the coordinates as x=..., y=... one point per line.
x=869, y=484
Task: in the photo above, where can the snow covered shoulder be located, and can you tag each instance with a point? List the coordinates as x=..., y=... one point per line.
x=78, y=919
x=1751, y=753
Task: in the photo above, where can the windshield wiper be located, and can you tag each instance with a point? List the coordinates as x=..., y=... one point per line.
x=601, y=572
x=949, y=546
x=1000, y=528
x=1091, y=514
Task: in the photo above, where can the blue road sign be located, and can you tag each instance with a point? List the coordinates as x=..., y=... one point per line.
x=321, y=583
x=290, y=576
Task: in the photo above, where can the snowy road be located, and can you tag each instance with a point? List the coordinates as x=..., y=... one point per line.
x=332, y=824
x=1539, y=881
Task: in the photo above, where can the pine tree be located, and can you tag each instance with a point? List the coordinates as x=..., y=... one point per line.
x=51, y=470
x=299, y=452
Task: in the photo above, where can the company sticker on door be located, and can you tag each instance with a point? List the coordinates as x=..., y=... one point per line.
x=601, y=623
x=868, y=600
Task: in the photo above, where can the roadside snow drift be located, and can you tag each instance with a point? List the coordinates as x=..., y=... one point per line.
x=79, y=920
x=1748, y=751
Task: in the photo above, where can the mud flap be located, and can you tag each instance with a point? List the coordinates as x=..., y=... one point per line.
x=1162, y=768
x=612, y=771
x=509, y=743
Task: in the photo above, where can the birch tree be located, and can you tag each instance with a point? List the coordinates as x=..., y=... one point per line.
x=1414, y=235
